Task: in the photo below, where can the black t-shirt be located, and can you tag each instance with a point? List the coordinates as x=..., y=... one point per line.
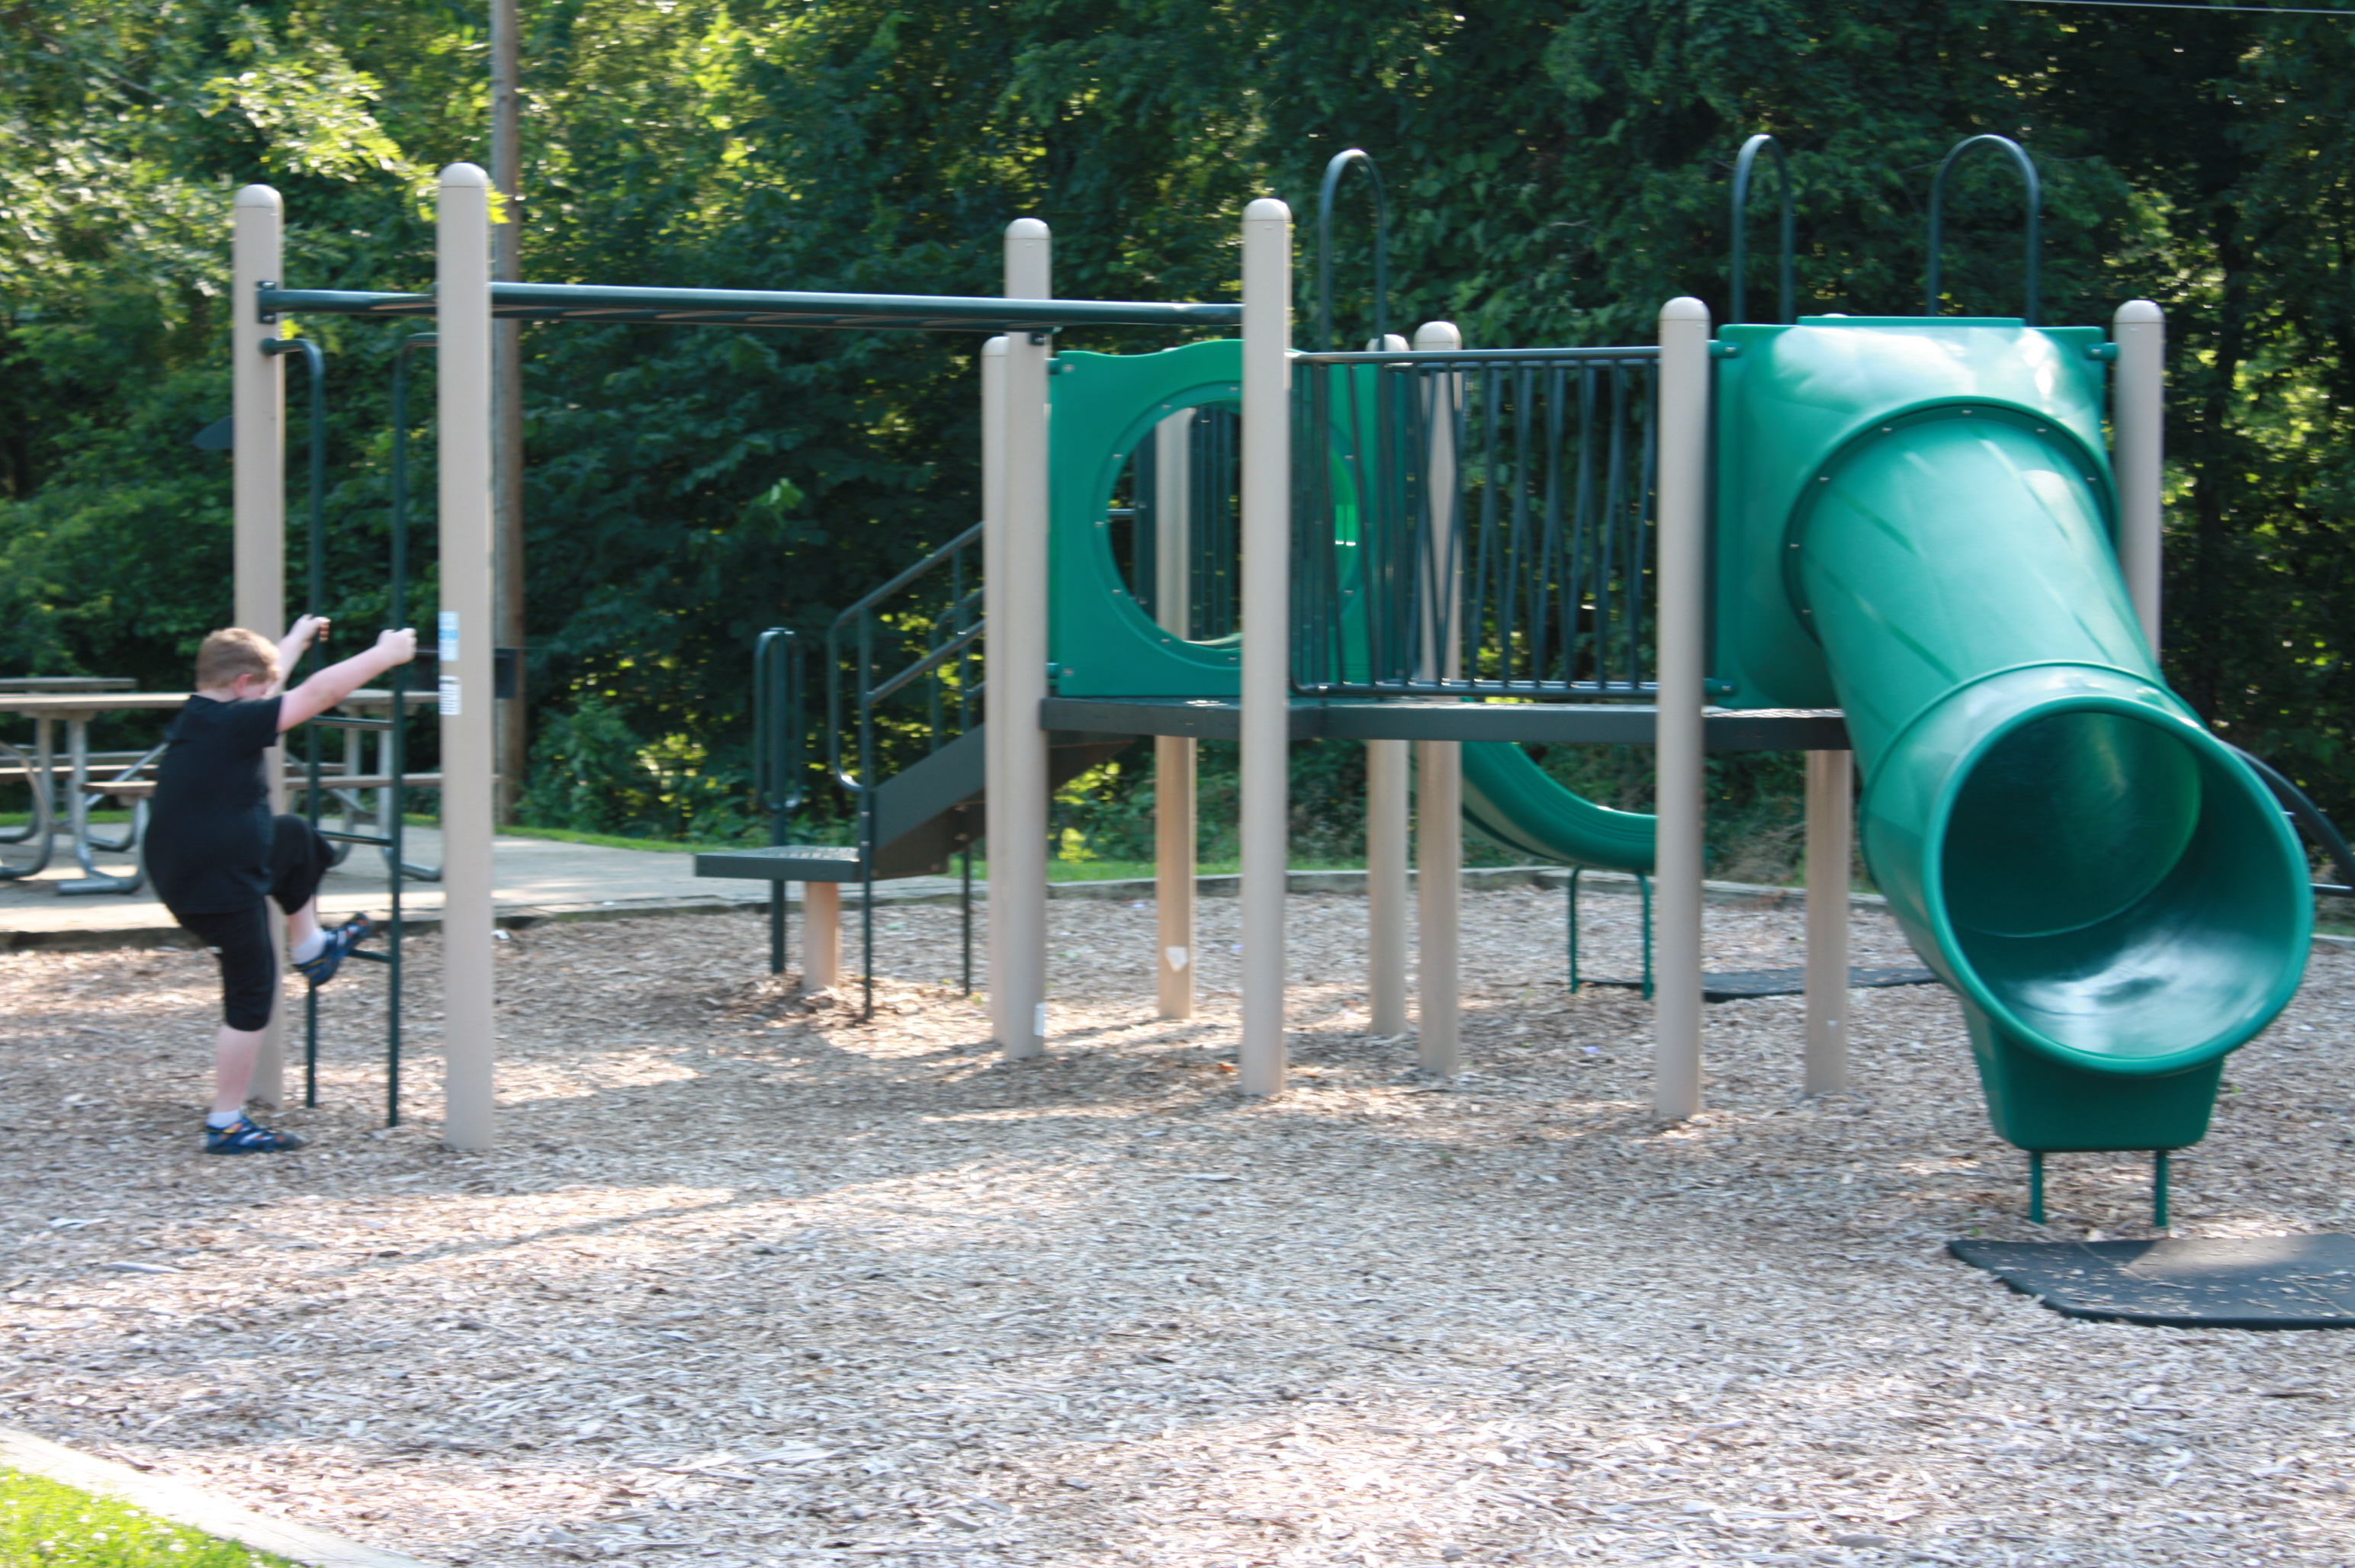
x=208, y=830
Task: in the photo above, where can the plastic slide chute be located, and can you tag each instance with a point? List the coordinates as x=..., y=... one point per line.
x=1512, y=800
x=2108, y=888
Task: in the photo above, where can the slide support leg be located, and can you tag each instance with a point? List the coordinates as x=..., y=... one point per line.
x=821, y=936
x=1386, y=883
x=1173, y=871
x=1439, y=902
x=1830, y=826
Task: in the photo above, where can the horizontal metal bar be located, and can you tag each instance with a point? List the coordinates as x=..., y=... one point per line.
x=752, y=307
x=377, y=839
x=334, y=721
x=1629, y=724
x=1512, y=690
x=1639, y=353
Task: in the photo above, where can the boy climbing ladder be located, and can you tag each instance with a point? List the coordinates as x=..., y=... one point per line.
x=215, y=851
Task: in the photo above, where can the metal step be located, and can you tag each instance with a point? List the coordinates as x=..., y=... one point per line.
x=922, y=816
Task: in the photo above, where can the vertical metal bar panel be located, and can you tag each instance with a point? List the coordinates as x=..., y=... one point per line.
x=2138, y=437
x=1267, y=634
x=463, y=324
x=1018, y=671
x=1683, y=501
x=258, y=405
x=1174, y=757
x=1439, y=813
x=1831, y=827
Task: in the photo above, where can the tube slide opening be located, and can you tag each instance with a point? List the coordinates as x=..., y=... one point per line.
x=2117, y=887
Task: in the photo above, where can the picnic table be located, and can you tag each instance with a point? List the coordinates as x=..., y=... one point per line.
x=76, y=709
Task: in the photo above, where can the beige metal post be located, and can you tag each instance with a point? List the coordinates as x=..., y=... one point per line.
x=1015, y=606
x=821, y=936
x=1438, y=895
x=462, y=323
x=1174, y=757
x=257, y=392
x=1387, y=827
x=1439, y=764
x=1679, y=756
x=1831, y=827
x=1267, y=636
x=2138, y=437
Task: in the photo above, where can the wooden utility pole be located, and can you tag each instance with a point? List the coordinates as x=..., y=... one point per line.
x=506, y=398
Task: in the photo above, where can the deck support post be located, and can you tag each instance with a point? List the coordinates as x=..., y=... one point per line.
x=1267, y=636
x=1679, y=755
x=258, y=389
x=469, y=740
x=2138, y=427
x=1014, y=601
x=1174, y=757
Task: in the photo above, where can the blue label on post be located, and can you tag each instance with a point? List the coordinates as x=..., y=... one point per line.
x=449, y=636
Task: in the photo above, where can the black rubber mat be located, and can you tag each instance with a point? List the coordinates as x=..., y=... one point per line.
x=2242, y=1282
x=1740, y=984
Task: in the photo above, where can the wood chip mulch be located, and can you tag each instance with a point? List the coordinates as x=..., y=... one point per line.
x=749, y=1282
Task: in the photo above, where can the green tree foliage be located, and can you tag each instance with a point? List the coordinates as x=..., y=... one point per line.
x=1554, y=170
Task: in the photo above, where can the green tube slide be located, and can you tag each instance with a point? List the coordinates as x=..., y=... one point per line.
x=1511, y=799
x=2112, y=894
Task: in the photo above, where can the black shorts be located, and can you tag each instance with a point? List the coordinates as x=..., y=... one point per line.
x=299, y=858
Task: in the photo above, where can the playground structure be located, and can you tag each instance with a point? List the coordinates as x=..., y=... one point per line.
x=1907, y=535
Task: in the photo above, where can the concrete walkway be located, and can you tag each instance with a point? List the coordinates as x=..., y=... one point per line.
x=536, y=879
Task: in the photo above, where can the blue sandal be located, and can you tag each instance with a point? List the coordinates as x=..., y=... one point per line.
x=244, y=1136
x=321, y=966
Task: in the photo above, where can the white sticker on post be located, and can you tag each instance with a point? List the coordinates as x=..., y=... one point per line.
x=1039, y=1026
x=451, y=704
x=1177, y=956
x=449, y=640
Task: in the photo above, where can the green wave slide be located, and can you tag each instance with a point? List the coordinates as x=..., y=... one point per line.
x=1512, y=801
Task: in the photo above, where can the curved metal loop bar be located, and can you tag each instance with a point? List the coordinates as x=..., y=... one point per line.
x=777, y=727
x=2032, y=193
x=2307, y=815
x=1334, y=170
x=1741, y=164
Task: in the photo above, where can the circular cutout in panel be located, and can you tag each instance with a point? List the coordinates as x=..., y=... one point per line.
x=1174, y=520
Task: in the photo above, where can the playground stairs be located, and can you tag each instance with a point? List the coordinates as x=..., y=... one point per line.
x=920, y=817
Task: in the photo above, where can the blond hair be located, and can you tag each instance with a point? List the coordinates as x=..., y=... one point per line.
x=231, y=652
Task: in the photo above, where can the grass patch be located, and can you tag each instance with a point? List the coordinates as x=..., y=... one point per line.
x=44, y=1524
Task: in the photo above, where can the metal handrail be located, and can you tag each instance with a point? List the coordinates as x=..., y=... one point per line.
x=951, y=636
x=1334, y=168
x=859, y=614
x=2300, y=808
x=1741, y=279
x=2032, y=193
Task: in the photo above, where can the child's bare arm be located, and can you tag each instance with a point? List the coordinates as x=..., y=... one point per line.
x=290, y=652
x=337, y=681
